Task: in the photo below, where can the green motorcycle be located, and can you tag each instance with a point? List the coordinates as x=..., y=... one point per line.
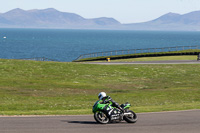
x=105, y=113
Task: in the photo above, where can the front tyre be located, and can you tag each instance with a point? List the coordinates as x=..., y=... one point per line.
x=131, y=116
x=101, y=117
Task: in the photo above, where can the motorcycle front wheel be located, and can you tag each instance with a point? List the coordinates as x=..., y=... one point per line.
x=101, y=117
x=131, y=117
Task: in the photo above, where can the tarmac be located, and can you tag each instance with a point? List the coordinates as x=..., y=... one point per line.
x=163, y=122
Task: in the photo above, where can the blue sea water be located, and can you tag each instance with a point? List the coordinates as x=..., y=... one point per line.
x=67, y=45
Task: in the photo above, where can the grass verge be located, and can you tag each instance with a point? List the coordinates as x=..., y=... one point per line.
x=53, y=88
x=159, y=58
x=131, y=56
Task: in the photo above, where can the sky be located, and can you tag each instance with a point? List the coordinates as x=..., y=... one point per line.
x=125, y=11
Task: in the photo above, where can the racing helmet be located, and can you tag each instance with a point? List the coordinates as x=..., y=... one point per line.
x=101, y=95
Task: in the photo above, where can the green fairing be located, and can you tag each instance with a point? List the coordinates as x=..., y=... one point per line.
x=127, y=106
x=98, y=106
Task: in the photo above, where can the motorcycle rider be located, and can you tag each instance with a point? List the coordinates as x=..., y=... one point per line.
x=107, y=99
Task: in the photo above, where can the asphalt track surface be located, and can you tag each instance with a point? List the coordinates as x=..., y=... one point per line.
x=149, y=62
x=164, y=122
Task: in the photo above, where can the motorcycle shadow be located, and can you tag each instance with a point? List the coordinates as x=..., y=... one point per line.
x=81, y=122
x=93, y=122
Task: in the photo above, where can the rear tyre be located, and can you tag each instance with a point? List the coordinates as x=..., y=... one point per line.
x=101, y=117
x=130, y=118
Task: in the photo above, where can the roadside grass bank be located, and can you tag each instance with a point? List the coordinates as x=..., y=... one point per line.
x=55, y=88
x=158, y=58
x=139, y=55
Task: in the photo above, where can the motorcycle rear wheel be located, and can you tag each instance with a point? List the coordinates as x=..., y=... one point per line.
x=131, y=118
x=101, y=117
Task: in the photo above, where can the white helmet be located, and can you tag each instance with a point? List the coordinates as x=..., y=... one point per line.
x=101, y=95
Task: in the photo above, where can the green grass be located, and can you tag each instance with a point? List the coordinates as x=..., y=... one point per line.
x=138, y=54
x=53, y=88
x=159, y=58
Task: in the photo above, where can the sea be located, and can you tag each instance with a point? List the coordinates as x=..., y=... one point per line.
x=67, y=45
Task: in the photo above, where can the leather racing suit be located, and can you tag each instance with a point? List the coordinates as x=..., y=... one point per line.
x=108, y=99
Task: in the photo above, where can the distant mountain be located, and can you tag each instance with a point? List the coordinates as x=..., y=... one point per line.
x=52, y=18
x=170, y=21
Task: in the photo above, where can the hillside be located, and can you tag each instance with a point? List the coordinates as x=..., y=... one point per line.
x=52, y=18
x=55, y=88
x=170, y=21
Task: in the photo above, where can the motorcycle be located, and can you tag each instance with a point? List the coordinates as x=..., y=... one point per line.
x=105, y=113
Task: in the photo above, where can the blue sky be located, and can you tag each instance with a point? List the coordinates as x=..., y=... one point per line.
x=125, y=11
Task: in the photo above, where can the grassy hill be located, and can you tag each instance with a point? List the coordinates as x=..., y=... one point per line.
x=44, y=88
